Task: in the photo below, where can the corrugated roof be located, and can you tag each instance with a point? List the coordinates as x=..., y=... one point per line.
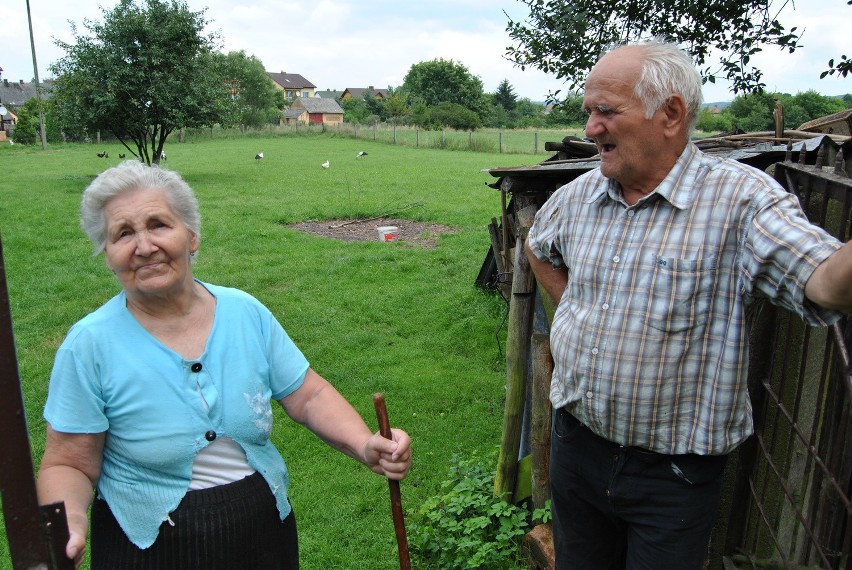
x=827, y=120
x=317, y=105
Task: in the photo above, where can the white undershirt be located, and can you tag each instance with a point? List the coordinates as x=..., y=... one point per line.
x=220, y=463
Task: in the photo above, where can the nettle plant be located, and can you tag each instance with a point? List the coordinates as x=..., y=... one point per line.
x=468, y=526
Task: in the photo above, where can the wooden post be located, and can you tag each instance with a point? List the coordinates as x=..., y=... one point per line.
x=521, y=309
x=542, y=370
x=37, y=535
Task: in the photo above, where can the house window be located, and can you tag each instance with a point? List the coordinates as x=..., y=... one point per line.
x=305, y=94
x=289, y=94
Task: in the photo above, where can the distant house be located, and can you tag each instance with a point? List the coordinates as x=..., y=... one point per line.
x=315, y=110
x=293, y=85
x=329, y=94
x=13, y=95
x=359, y=92
x=837, y=124
x=16, y=93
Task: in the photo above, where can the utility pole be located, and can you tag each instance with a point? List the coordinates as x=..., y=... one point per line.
x=37, y=86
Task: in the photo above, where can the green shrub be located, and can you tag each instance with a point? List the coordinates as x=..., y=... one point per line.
x=468, y=526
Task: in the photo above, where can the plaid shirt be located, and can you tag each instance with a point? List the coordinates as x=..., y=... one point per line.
x=650, y=338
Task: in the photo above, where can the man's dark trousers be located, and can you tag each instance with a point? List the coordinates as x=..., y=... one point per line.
x=618, y=507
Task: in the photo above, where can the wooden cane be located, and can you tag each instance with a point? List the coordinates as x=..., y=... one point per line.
x=396, y=497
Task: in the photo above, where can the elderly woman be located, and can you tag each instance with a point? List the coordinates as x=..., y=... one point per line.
x=160, y=399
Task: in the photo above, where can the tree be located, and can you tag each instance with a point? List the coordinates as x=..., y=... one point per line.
x=355, y=110
x=564, y=37
x=505, y=95
x=396, y=105
x=444, y=81
x=375, y=105
x=251, y=101
x=454, y=116
x=528, y=113
x=144, y=71
x=27, y=130
x=815, y=105
x=710, y=122
x=753, y=113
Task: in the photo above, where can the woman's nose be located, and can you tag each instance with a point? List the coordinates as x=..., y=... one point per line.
x=144, y=245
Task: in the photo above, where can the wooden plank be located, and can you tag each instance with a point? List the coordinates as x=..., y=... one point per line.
x=36, y=536
x=521, y=310
x=542, y=370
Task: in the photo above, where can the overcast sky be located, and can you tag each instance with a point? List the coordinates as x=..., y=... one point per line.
x=337, y=44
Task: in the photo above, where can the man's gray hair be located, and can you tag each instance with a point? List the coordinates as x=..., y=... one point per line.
x=666, y=69
x=126, y=177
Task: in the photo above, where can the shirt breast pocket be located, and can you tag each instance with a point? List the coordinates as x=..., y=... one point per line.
x=680, y=293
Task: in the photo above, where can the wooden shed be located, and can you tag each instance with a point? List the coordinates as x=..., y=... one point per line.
x=316, y=110
x=836, y=123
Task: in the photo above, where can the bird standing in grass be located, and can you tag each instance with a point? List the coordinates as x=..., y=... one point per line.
x=103, y=154
x=258, y=156
x=360, y=154
x=120, y=155
x=326, y=164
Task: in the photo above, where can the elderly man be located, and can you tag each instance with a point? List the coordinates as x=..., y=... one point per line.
x=654, y=260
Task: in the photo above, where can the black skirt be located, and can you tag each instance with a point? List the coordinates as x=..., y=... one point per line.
x=225, y=527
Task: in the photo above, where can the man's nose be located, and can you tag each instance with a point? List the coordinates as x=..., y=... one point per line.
x=593, y=126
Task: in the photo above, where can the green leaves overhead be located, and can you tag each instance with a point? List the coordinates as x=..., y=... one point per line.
x=564, y=37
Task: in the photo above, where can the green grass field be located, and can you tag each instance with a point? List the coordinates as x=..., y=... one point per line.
x=370, y=316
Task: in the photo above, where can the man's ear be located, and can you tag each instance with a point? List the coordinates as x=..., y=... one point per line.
x=675, y=113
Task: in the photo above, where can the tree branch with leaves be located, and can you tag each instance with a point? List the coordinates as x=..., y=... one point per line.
x=565, y=37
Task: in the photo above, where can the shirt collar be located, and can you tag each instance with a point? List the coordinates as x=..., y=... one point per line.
x=678, y=187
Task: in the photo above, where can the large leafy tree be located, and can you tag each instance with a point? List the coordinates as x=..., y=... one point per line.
x=564, y=37
x=144, y=71
x=445, y=81
x=251, y=98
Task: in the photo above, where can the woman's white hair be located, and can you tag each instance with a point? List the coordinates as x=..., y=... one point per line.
x=126, y=177
x=666, y=70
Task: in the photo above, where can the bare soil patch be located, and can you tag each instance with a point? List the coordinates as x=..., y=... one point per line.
x=417, y=233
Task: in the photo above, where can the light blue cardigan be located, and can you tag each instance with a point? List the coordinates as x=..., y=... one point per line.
x=110, y=375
